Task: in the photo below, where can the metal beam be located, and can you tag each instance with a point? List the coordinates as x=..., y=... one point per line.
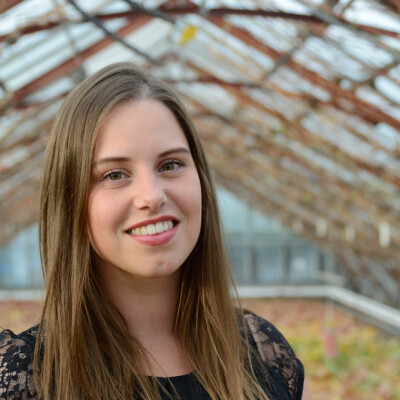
x=7, y=4
x=212, y=14
x=393, y=5
x=363, y=109
x=70, y=64
x=214, y=80
x=118, y=39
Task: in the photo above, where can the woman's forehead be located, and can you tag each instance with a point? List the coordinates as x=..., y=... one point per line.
x=139, y=126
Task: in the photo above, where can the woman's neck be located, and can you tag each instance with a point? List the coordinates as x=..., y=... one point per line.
x=147, y=304
x=148, y=307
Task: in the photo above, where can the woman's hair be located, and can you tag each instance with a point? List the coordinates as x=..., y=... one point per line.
x=84, y=348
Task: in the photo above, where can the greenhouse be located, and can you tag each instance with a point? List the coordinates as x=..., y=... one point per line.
x=297, y=105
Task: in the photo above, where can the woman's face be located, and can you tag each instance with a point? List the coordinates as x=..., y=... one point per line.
x=144, y=207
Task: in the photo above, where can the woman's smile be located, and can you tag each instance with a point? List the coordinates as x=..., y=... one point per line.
x=144, y=207
x=156, y=232
x=152, y=227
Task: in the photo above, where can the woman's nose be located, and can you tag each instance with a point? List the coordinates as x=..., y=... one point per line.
x=149, y=193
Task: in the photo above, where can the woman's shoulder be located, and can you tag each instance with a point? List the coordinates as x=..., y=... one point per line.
x=276, y=353
x=17, y=348
x=16, y=359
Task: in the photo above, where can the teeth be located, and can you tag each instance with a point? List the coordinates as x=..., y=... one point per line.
x=152, y=229
x=160, y=227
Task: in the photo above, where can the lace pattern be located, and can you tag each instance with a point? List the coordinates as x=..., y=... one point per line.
x=277, y=355
x=16, y=357
x=285, y=371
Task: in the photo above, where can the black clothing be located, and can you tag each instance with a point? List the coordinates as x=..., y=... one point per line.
x=187, y=387
x=276, y=367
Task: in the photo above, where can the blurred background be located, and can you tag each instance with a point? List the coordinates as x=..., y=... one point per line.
x=297, y=103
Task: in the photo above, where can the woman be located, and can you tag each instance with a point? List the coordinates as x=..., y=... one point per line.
x=137, y=281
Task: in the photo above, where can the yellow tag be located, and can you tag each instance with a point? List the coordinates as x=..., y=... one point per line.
x=188, y=34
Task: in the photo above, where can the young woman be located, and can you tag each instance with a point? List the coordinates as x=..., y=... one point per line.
x=138, y=302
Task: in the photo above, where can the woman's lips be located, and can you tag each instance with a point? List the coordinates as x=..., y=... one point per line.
x=154, y=239
x=152, y=228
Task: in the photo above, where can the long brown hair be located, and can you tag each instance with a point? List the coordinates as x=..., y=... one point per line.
x=84, y=349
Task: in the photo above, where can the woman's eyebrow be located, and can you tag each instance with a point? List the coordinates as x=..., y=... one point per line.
x=125, y=159
x=174, y=150
x=109, y=159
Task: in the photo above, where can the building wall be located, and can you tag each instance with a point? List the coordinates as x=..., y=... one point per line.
x=261, y=251
x=20, y=261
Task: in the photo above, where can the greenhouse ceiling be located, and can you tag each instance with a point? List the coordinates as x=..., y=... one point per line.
x=297, y=103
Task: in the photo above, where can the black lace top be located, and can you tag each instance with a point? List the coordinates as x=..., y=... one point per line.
x=276, y=367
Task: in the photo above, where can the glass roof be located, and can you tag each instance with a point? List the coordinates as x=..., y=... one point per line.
x=297, y=102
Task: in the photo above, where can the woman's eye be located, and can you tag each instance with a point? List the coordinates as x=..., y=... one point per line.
x=113, y=176
x=171, y=165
